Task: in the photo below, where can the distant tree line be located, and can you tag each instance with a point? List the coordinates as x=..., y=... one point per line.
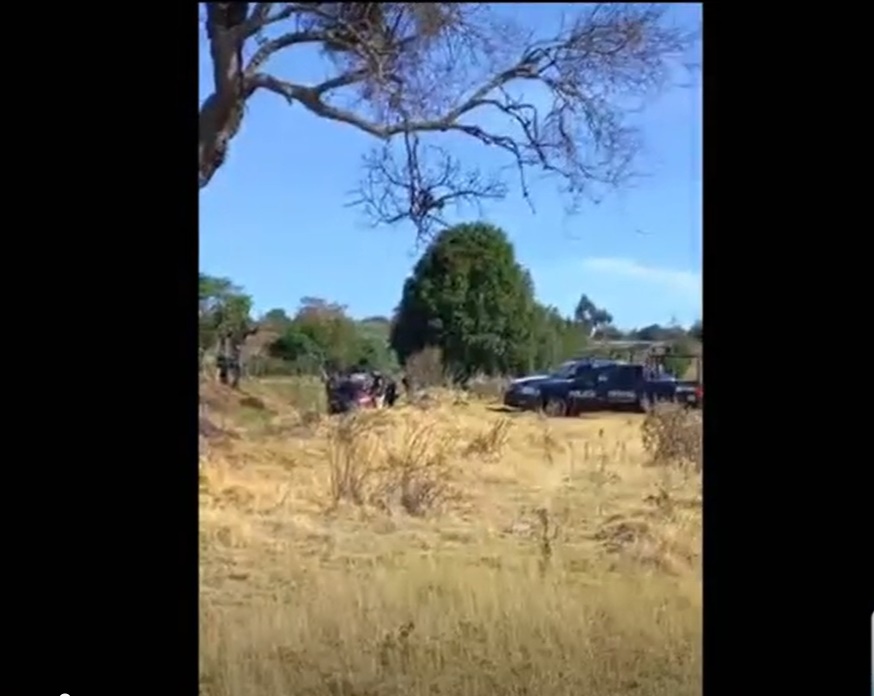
x=468, y=302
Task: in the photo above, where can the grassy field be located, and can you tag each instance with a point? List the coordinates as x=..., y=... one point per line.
x=441, y=547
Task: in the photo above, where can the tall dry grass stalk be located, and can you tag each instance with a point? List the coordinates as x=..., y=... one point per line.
x=368, y=466
x=673, y=436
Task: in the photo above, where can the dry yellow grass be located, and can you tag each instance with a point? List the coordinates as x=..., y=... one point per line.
x=443, y=548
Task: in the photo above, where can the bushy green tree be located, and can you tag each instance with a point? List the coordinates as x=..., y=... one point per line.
x=321, y=334
x=590, y=316
x=679, y=358
x=557, y=338
x=298, y=349
x=373, y=343
x=276, y=319
x=223, y=310
x=469, y=297
x=224, y=325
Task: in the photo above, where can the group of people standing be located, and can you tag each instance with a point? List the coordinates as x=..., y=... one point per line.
x=361, y=386
x=341, y=385
x=229, y=361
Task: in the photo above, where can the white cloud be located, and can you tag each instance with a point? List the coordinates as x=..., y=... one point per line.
x=687, y=283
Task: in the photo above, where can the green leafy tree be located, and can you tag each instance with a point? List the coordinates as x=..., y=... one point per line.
x=557, y=338
x=298, y=350
x=373, y=343
x=276, y=319
x=329, y=329
x=592, y=317
x=679, y=358
x=322, y=334
x=224, y=310
x=224, y=324
x=469, y=297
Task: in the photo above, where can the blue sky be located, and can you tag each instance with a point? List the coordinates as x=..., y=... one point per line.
x=275, y=220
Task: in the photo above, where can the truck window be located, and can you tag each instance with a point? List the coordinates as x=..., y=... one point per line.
x=625, y=377
x=568, y=370
x=584, y=377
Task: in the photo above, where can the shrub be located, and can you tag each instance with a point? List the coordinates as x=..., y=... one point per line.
x=425, y=368
x=365, y=469
x=672, y=435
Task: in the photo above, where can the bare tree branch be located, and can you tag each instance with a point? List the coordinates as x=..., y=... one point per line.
x=261, y=17
x=419, y=188
x=257, y=18
x=269, y=48
x=426, y=69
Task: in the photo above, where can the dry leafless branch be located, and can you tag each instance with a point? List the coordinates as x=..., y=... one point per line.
x=424, y=70
x=420, y=184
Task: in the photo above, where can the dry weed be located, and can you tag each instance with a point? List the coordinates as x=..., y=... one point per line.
x=352, y=446
x=547, y=440
x=490, y=442
x=367, y=467
x=367, y=602
x=418, y=470
x=672, y=435
x=487, y=388
x=425, y=368
x=457, y=631
x=548, y=534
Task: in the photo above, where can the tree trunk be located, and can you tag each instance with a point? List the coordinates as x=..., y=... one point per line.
x=222, y=112
x=219, y=123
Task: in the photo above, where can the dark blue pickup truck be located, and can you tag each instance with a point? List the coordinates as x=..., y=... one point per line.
x=592, y=384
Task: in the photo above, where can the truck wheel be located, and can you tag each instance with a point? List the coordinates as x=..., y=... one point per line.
x=555, y=407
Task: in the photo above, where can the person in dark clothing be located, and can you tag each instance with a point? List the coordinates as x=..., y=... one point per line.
x=222, y=365
x=229, y=359
x=377, y=384
x=391, y=393
x=222, y=359
x=331, y=380
x=235, y=365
